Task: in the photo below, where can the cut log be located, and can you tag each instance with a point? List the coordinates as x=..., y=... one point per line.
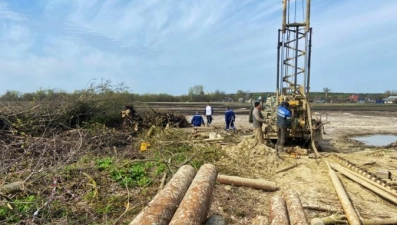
x=214, y=139
x=196, y=203
x=246, y=182
x=316, y=221
x=163, y=206
x=295, y=210
x=388, y=221
x=343, y=198
x=278, y=211
x=260, y=220
x=322, y=209
x=12, y=187
x=334, y=219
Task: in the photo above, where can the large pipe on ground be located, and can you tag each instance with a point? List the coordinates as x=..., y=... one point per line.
x=370, y=186
x=295, y=210
x=278, y=211
x=194, y=207
x=246, y=182
x=351, y=215
x=163, y=206
x=370, y=177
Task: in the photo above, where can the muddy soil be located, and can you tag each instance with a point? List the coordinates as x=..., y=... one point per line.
x=310, y=179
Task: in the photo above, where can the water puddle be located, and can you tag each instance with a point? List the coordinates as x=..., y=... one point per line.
x=377, y=139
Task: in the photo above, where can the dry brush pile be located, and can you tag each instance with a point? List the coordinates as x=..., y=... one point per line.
x=73, y=161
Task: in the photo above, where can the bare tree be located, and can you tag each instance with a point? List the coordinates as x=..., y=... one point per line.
x=326, y=91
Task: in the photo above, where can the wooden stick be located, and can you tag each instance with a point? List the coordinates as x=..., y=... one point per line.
x=287, y=168
x=246, y=182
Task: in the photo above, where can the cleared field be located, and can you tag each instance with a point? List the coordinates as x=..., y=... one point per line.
x=189, y=108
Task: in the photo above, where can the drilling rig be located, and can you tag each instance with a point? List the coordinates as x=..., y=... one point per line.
x=293, y=75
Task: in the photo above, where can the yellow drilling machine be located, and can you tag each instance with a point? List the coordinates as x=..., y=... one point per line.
x=293, y=76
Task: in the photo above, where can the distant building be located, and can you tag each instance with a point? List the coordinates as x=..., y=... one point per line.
x=390, y=99
x=227, y=99
x=353, y=98
x=361, y=100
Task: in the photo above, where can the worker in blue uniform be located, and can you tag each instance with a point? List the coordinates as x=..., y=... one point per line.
x=283, y=123
x=229, y=119
x=197, y=120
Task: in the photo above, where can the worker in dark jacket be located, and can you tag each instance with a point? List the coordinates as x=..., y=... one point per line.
x=229, y=119
x=197, y=120
x=283, y=122
x=257, y=121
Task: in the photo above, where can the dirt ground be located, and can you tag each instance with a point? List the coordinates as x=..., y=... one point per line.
x=310, y=179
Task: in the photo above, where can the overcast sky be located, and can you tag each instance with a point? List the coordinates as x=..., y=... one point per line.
x=167, y=46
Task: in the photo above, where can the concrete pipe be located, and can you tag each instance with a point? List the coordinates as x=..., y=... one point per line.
x=163, y=206
x=194, y=207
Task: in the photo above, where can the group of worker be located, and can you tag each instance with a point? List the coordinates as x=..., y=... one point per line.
x=283, y=122
x=230, y=117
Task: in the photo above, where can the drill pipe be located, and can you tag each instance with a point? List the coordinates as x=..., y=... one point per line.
x=344, y=199
x=164, y=204
x=364, y=183
x=295, y=210
x=278, y=211
x=194, y=206
x=368, y=176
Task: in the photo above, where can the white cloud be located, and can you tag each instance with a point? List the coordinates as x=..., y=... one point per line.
x=7, y=14
x=185, y=43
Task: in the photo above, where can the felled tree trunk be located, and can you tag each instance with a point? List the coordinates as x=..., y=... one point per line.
x=278, y=211
x=12, y=187
x=163, y=206
x=194, y=207
x=295, y=210
x=246, y=182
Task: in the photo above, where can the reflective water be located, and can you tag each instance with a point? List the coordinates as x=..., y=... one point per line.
x=377, y=139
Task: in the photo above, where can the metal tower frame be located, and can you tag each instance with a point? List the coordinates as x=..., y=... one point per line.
x=294, y=52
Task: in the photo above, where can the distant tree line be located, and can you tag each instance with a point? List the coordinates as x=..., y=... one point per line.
x=195, y=94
